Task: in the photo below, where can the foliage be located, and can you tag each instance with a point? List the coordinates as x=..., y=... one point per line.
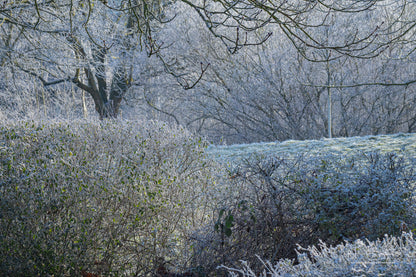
x=391, y=256
x=143, y=199
x=284, y=202
x=112, y=198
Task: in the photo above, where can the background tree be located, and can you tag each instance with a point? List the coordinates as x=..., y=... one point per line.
x=360, y=52
x=365, y=99
x=97, y=45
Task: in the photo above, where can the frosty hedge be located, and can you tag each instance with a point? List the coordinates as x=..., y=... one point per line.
x=141, y=199
x=110, y=198
x=283, y=202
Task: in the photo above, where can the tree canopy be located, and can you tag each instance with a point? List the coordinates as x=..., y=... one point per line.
x=246, y=63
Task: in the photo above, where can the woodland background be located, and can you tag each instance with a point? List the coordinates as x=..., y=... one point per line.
x=111, y=113
x=232, y=71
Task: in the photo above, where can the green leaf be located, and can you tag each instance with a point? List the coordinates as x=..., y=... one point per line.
x=229, y=221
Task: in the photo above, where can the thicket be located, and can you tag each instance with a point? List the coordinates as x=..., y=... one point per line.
x=283, y=203
x=142, y=199
x=107, y=198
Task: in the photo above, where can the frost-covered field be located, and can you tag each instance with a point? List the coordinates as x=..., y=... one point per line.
x=338, y=146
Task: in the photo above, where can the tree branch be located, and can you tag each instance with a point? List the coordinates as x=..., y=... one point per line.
x=43, y=81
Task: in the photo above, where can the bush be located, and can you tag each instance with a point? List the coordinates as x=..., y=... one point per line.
x=129, y=199
x=282, y=203
x=392, y=256
x=111, y=198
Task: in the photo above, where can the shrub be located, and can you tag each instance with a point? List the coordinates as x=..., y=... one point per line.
x=281, y=203
x=130, y=199
x=111, y=198
x=392, y=256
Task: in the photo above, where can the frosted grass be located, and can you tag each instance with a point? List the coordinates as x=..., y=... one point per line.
x=396, y=143
x=392, y=256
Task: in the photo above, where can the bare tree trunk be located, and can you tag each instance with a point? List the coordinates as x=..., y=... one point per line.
x=96, y=80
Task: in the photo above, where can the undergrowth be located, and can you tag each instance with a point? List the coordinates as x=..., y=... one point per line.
x=119, y=198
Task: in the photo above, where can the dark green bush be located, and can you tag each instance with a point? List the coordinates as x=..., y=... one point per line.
x=112, y=198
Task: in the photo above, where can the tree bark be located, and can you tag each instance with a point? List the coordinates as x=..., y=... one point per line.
x=96, y=80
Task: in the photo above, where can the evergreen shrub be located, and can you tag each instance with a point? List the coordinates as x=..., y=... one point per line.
x=108, y=198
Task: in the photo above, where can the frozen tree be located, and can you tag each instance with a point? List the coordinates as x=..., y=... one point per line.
x=273, y=92
x=97, y=45
x=299, y=20
x=103, y=48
